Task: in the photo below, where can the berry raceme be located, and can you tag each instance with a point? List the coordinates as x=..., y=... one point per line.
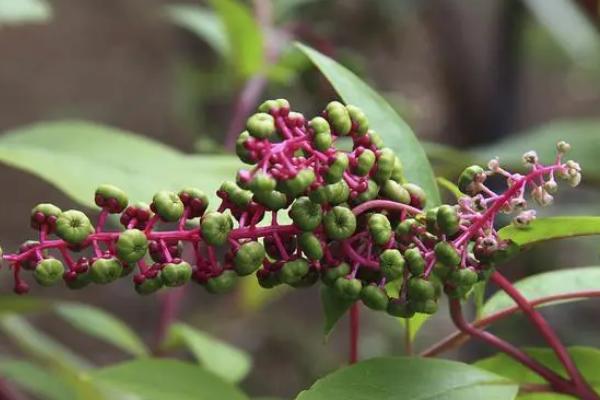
x=357, y=225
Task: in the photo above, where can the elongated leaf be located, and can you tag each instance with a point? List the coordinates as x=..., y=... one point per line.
x=244, y=35
x=587, y=360
x=334, y=308
x=547, y=284
x=38, y=345
x=77, y=156
x=449, y=186
x=24, y=11
x=102, y=325
x=551, y=228
x=36, y=380
x=410, y=379
x=160, y=379
x=218, y=357
x=382, y=117
x=413, y=325
x=203, y=23
x=11, y=304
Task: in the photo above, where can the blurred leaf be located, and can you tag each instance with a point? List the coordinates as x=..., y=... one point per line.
x=542, y=229
x=334, y=308
x=410, y=379
x=77, y=156
x=449, y=186
x=160, y=379
x=11, y=304
x=383, y=119
x=102, y=325
x=38, y=345
x=253, y=297
x=284, y=9
x=547, y=284
x=288, y=67
x=244, y=36
x=478, y=296
x=218, y=357
x=16, y=12
x=544, y=396
x=571, y=29
x=36, y=380
x=587, y=360
x=413, y=325
x=203, y=23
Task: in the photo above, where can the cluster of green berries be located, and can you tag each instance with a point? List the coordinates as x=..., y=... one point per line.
x=356, y=224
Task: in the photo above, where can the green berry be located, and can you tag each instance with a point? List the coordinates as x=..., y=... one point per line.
x=348, y=289
x=446, y=254
x=48, y=272
x=221, y=283
x=262, y=182
x=369, y=194
x=400, y=309
x=429, y=306
x=273, y=200
x=339, y=223
x=235, y=194
x=149, y=286
x=322, y=138
x=105, y=270
x=261, y=125
x=306, y=214
x=418, y=198
x=167, y=205
x=364, y=162
x=359, y=118
x=338, y=116
x=379, y=228
x=132, y=245
x=331, y=274
x=420, y=289
x=293, y=271
x=310, y=246
x=274, y=106
x=469, y=179
x=442, y=271
x=299, y=184
x=447, y=219
x=267, y=279
x=405, y=229
x=395, y=192
x=337, y=193
x=398, y=172
x=215, y=228
x=375, y=139
x=80, y=281
x=176, y=274
x=44, y=213
x=374, y=297
x=309, y=279
x=73, y=226
x=431, y=220
x=195, y=200
x=391, y=264
x=242, y=151
x=336, y=169
x=249, y=257
x=466, y=277
x=385, y=165
x=111, y=198
x=415, y=261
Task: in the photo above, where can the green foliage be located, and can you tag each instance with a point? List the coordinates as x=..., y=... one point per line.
x=382, y=117
x=159, y=379
x=36, y=380
x=413, y=325
x=24, y=11
x=218, y=357
x=76, y=157
x=334, y=307
x=543, y=229
x=102, y=325
x=410, y=378
x=547, y=284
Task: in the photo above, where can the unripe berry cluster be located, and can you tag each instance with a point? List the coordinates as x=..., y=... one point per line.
x=357, y=224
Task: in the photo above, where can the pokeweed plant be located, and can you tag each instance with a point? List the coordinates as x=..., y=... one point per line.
x=358, y=226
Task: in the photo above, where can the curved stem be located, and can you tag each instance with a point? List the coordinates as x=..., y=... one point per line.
x=354, y=332
x=386, y=204
x=458, y=338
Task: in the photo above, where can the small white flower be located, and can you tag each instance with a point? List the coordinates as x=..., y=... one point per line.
x=524, y=218
x=551, y=186
x=530, y=158
x=494, y=165
x=563, y=147
x=574, y=180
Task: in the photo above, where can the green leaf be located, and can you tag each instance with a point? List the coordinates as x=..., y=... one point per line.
x=587, y=360
x=413, y=325
x=449, y=186
x=102, y=325
x=36, y=380
x=547, y=284
x=334, y=308
x=543, y=229
x=11, y=304
x=76, y=157
x=383, y=119
x=203, y=23
x=410, y=379
x=39, y=345
x=24, y=11
x=218, y=357
x=160, y=379
x=244, y=35
x=253, y=297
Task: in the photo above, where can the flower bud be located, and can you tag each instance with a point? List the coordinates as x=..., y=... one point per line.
x=415, y=261
x=530, y=158
x=391, y=264
x=111, y=198
x=293, y=271
x=563, y=147
x=261, y=125
x=418, y=198
x=420, y=289
x=338, y=117
x=348, y=289
x=395, y=192
x=248, y=258
x=221, y=283
x=273, y=200
x=48, y=272
x=470, y=180
x=398, y=172
x=45, y=213
x=330, y=275
x=297, y=185
x=311, y=246
x=494, y=165
x=524, y=218
x=447, y=219
x=167, y=205
x=149, y=285
x=306, y=214
x=337, y=167
x=380, y=229
x=364, y=162
x=241, y=149
x=215, y=228
x=425, y=307
x=339, y=223
x=369, y=194
x=176, y=274
x=359, y=118
x=73, y=226
x=267, y=279
x=446, y=254
x=132, y=245
x=262, y=182
x=385, y=165
x=105, y=270
x=374, y=297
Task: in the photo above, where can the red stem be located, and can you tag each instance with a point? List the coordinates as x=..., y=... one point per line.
x=170, y=303
x=354, y=332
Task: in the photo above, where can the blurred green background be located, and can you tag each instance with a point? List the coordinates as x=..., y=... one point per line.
x=486, y=78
